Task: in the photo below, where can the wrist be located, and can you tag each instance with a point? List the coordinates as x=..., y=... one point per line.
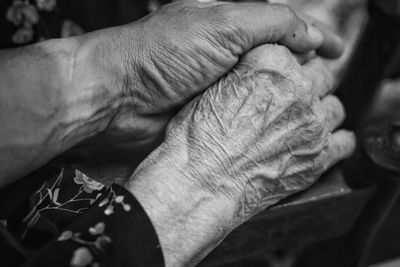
x=53, y=101
x=189, y=220
x=77, y=103
x=89, y=82
x=112, y=61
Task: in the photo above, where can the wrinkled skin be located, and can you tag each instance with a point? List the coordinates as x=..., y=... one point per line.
x=183, y=48
x=261, y=133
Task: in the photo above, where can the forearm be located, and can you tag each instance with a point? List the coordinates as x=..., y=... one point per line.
x=190, y=220
x=51, y=98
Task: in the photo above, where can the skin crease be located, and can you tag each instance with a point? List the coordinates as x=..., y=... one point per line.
x=192, y=45
x=259, y=134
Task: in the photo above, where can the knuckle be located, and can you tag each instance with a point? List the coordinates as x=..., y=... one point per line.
x=319, y=126
x=322, y=127
x=305, y=90
x=282, y=53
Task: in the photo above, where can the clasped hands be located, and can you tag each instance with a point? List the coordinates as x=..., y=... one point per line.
x=260, y=123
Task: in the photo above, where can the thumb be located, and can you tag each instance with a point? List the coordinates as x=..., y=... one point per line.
x=260, y=23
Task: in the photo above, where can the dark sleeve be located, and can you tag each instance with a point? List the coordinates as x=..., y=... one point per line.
x=115, y=231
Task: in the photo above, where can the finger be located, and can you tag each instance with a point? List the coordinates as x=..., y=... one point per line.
x=333, y=45
x=320, y=75
x=304, y=57
x=261, y=23
x=341, y=145
x=333, y=111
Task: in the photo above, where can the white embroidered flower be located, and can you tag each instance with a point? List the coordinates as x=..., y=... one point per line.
x=109, y=210
x=89, y=185
x=46, y=5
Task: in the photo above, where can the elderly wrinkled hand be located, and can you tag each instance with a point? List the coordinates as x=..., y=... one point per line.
x=261, y=133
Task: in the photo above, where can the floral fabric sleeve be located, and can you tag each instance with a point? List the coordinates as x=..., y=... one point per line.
x=73, y=220
x=114, y=231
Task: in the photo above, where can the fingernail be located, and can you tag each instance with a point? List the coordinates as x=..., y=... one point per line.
x=315, y=34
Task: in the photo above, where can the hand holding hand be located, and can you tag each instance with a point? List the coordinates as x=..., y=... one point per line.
x=162, y=61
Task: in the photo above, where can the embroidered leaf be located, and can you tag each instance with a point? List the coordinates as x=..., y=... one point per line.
x=74, y=204
x=59, y=179
x=81, y=210
x=55, y=196
x=103, y=202
x=50, y=194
